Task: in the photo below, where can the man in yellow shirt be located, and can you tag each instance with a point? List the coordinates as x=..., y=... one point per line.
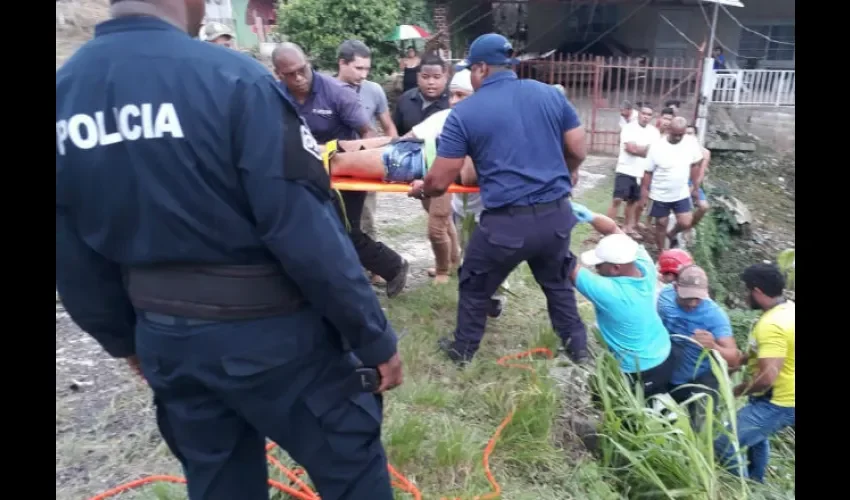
x=770, y=381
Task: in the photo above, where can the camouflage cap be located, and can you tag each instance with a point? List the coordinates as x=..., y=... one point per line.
x=214, y=30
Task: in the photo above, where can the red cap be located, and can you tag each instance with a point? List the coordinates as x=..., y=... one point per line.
x=673, y=260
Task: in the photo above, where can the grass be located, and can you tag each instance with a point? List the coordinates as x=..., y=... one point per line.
x=439, y=422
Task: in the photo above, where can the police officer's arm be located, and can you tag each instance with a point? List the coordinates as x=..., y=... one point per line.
x=92, y=291
x=451, y=152
x=298, y=224
x=352, y=113
x=575, y=147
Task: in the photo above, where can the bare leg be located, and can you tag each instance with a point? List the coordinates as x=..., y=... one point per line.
x=699, y=213
x=365, y=164
x=683, y=223
x=661, y=232
x=358, y=144
x=439, y=221
x=631, y=213
x=614, y=209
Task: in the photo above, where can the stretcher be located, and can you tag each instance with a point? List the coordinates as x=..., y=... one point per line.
x=350, y=184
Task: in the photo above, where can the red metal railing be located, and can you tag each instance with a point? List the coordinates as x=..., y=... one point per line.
x=597, y=86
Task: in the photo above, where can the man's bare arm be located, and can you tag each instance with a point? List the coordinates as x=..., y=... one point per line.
x=575, y=148
x=604, y=225
x=468, y=175
x=766, y=373
x=644, y=187
x=634, y=149
x=441, y=175
x=387, y=124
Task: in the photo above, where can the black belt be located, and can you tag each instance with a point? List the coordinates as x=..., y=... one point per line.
x=528, y=209
x=214, y=293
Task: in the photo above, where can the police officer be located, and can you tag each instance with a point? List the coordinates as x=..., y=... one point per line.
x=527, y=144
x=195, y=238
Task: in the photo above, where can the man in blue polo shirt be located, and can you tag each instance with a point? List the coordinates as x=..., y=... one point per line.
x=527, y=144
x=333, y=111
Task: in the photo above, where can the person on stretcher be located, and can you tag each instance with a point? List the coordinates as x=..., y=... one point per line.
x=401, y=160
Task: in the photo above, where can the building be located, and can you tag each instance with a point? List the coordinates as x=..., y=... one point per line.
x=242, y=15
x=759, y=35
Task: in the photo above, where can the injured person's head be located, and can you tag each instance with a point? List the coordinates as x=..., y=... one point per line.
x=461, y=87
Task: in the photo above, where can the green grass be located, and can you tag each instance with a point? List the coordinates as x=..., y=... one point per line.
x=439, y=422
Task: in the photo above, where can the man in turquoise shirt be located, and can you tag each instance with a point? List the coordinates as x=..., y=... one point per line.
x=623, y=294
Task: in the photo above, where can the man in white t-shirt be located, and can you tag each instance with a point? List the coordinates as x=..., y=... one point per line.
x=672, y=161
x=635, y=139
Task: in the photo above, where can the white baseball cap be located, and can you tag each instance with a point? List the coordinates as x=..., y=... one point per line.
x=613, y=249
x=462, y=81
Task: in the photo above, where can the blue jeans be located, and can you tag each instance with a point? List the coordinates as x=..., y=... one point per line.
x=757, y=421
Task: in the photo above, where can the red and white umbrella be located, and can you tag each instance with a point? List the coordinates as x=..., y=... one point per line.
x=408, y=32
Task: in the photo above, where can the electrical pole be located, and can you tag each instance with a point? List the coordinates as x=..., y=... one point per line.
x=708, y=78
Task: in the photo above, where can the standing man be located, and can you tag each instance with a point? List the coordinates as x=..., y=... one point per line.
x=671, y=162
x=664, y=120
x=771, y=378
x=333, y=112
x=354, y=63
x=429, y=96
x=527, y=144
x=635, y=138
x=212, y=258
x=218, y=34
x=697, y=192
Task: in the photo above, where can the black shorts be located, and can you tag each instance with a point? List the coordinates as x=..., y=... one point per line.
x=655, y=380
x=626, y=187
x=663, y=208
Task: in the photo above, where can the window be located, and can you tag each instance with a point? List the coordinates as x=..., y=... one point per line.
x=752, y=46
x=590, y=21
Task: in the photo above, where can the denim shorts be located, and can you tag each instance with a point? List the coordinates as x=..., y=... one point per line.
x=701, y=192
x=404, y=161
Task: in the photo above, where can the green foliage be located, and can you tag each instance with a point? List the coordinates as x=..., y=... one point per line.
x=319, y=26
x=787, y=262
x=416, y=12
x=742, y=321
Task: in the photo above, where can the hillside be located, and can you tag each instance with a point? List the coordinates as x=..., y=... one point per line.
x=75, y=21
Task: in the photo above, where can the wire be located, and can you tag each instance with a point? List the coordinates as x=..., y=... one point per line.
x=612, y=28
x=771, y=40
x=716, y=39
x=677, y=30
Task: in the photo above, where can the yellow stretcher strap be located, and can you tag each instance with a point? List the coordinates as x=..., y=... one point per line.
x=430, y=153
x=327, y=154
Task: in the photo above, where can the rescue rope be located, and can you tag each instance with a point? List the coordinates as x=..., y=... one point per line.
x=299, y=490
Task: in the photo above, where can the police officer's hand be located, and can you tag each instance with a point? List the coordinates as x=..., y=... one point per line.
x=582, y=213
x=417, y=189
x=391, y=374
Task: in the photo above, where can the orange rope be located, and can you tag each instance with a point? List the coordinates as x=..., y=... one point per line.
x=302, y=491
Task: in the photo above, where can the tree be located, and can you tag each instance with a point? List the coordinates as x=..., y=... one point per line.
x=319, y=26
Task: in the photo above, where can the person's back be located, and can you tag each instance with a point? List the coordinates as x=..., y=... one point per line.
x=169, y=199
x=195, y=237
x=626, y=314
x=535, y=173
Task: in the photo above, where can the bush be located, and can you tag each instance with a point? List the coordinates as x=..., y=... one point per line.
x=319, y=26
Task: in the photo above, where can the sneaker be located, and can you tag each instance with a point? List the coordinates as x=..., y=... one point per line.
x=578, y=358
x=396, y=285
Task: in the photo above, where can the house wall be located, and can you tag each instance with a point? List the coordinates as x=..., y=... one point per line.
x=646, y=32
x=244, y=36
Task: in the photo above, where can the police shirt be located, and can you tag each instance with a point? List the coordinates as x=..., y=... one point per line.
x=332, y=110
x=174, y=151
x=514, y=132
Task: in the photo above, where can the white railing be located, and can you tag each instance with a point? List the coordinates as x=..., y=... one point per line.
x=754, y=87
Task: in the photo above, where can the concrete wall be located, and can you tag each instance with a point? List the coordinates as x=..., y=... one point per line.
x=774, y=126
x=547, y=25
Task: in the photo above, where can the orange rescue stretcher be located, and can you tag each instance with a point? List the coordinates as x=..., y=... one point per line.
x=352, y=184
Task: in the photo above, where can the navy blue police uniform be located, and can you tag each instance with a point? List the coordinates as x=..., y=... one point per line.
x=514, y=132
x=194, y=230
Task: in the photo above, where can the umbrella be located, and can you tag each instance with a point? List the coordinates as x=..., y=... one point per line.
x=408, y=32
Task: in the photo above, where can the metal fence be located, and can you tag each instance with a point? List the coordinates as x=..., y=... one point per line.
x=597, y=86
x=754, y=87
